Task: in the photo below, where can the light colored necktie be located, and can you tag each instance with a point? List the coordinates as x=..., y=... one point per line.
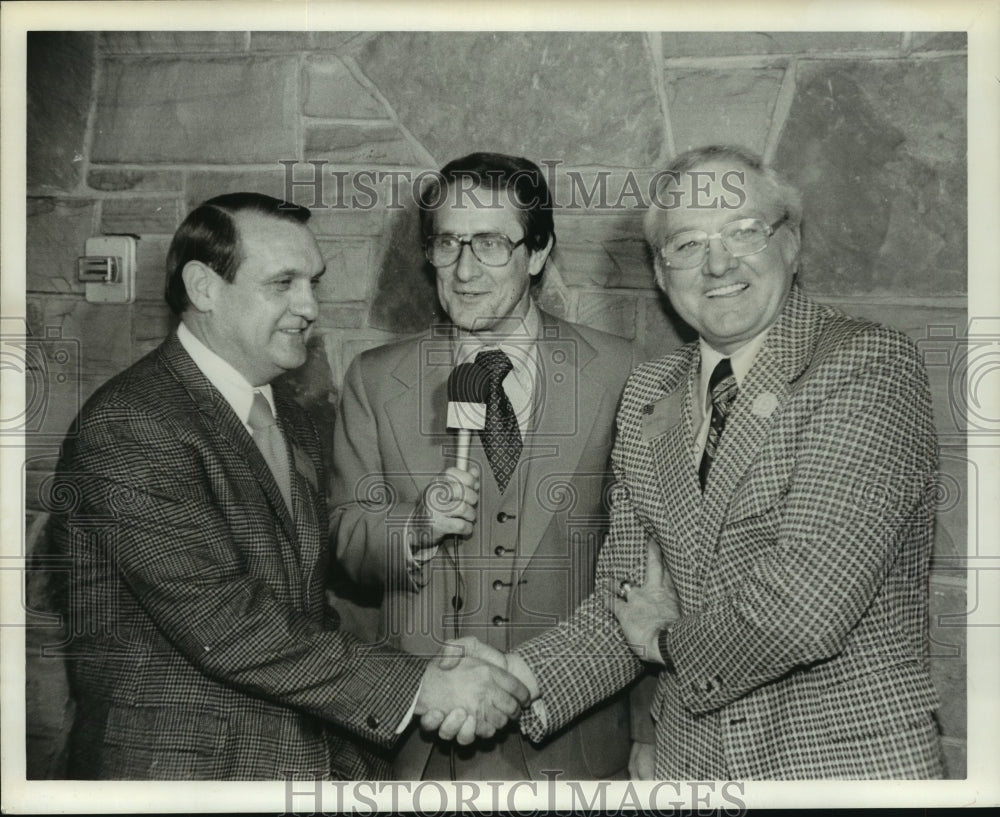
x=501, y=436
x=267, y=436
x=722, y=387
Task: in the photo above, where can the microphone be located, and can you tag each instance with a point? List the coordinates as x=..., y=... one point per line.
x=468, y=393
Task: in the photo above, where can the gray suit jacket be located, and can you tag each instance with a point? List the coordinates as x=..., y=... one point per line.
x=530, y=560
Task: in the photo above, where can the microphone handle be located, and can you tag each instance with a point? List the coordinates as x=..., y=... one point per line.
x=461, y=461
x=464, y=440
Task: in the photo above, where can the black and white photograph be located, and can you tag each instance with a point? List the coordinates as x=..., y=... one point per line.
x=426, y=407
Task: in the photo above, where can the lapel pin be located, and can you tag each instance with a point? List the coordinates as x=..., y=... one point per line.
x=764, y=404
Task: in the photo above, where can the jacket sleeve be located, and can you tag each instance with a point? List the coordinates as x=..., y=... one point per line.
x=369, y=524
x=586, y=659
x=173, y=547
x=864, y=460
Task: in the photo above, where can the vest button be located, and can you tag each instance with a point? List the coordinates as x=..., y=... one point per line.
x=499, y=621
x=456, y=603
x=503, y=517
x=498, y=584
x=499, y=550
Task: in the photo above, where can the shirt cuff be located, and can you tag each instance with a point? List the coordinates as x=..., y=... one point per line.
x=539, y=711
x=409, y=713
x=416, y=556
x=663, y=645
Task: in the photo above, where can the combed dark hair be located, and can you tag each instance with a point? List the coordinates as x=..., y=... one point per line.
x=786, y=194
x=520, y=178
x=209, y=235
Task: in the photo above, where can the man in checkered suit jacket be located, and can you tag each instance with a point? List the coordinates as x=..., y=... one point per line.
x=789, y=615
x=198, y=639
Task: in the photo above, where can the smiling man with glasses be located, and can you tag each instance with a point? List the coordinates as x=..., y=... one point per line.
x=505, y=549
x=772, y=517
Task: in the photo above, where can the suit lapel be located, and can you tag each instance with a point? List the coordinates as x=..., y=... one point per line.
x=220, y=417
x=418, y=406
x=667, y=429
x=305, y=487
x=785, y=354
x=567, y=400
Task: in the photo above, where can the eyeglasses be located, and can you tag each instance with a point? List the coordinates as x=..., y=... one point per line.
x=744, y=236
x=491, y=249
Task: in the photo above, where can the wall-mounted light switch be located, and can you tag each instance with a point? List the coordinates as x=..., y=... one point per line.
x=108, y=269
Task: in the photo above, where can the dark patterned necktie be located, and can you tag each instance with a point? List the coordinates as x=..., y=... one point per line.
x=722, y=387
x=501, y=436
x=267, y=436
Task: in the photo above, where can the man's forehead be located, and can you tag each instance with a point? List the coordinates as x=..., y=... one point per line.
x=482, y=205
x=272, y=243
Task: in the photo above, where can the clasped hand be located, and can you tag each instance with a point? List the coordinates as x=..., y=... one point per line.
x=467, y=692
x=643, y=611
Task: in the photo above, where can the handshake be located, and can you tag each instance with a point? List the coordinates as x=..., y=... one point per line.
x=471, y=690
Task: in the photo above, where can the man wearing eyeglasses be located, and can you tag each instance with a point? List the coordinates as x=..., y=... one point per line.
x=506, y=548
x=772, y=526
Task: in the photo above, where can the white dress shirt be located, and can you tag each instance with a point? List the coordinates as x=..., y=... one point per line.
x=741, y=360
x=233, y=386
x=520, y=344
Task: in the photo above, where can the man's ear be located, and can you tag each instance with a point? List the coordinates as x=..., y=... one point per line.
x=790, y=246
x=537, y=259
x=202, y=284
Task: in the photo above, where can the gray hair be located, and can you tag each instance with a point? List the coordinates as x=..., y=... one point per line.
x=784, y=191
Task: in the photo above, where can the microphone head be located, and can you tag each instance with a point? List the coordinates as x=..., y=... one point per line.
x=468, y=393
x=469, y=383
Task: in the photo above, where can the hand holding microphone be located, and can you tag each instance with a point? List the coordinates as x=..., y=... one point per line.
x=448, y=504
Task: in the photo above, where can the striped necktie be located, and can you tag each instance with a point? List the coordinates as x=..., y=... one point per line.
x=722, y=387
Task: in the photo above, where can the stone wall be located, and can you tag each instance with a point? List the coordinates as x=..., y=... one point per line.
x=127, y=131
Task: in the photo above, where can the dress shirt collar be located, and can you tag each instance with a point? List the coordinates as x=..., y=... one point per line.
x=519, y=345
x=230, y=383
x=519, y=342
x=741, y=360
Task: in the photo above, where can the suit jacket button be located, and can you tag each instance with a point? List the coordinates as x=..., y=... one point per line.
x=456, y=603
x=372, y=722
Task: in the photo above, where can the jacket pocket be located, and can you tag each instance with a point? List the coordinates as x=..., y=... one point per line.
x=154, y=742
x=888, y=700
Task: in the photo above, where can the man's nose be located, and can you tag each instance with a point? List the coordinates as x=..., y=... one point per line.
x=304, y=303
x=466, y=265
x=719, y=260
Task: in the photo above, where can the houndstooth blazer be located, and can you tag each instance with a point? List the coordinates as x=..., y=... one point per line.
x=801, y=570
x=198, y=642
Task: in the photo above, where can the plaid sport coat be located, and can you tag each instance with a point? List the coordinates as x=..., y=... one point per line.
x=198, y=644
x=801, y=570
